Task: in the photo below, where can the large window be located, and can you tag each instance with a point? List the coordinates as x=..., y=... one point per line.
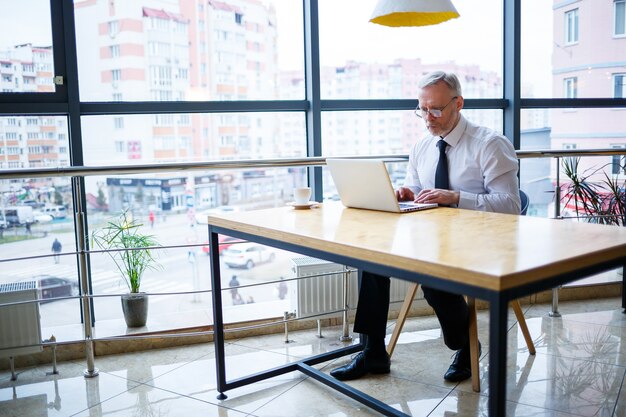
x=191, y=81
x=620, y=18
x=571, y=26
x=570, y=87
x=560, y=43
x=362, y=60
x=192, y=137
x=224, y=51
x=26, y=55
x=619, y=85
x=618, y=162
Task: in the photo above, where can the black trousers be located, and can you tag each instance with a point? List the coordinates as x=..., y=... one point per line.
x=373, y=308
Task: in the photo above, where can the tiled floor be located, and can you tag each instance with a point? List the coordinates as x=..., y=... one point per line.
x=578, y=370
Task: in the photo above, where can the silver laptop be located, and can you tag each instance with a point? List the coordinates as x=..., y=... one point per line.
x=365, y=183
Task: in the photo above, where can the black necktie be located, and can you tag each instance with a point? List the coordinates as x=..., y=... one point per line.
x=441, y=174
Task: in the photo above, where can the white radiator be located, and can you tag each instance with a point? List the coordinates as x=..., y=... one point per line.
x=19, y=324
x=324, y=293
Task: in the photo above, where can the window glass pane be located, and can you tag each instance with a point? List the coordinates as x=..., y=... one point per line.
x=560, y=43
x=620, y=17
x=33, y=142
x=587, y=128
x=192, y=137
x=570, y=86
x=618, y=162
x=173, y=207
x=619, y=85
x=33, y=213
x=384, y=132
x=571, y=26
x=26, y=61
x=581, y=128
x=363, y=60
x=228, y=50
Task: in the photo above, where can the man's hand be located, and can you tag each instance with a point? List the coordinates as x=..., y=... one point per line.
x=405, y=194
x=436, y=195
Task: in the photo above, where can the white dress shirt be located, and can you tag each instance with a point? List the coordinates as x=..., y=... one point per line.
x=482, y=165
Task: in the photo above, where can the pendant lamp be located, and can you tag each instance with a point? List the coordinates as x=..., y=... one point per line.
x=398, y=13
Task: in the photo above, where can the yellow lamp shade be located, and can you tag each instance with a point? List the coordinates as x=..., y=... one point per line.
x=398, y=13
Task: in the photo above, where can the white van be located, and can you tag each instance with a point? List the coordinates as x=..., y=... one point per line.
x=57, y=212
x=12, y=216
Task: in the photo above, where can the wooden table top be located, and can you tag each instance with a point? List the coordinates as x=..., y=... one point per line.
x=490, y=250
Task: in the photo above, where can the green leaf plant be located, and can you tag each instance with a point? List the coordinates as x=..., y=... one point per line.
x=601, y=202
x=128, y=247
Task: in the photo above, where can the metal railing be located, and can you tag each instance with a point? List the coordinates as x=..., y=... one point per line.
x=77, y=173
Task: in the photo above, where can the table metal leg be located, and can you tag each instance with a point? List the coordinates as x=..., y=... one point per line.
x=624, y=287
x=351, y=392
x=555, y=303
x=218, y=318
x=498, y=314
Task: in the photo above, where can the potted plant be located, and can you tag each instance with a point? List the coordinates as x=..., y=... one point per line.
x=130, y=250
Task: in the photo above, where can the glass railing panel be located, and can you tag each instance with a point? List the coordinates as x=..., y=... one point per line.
x=37, y=244
x=175, y=214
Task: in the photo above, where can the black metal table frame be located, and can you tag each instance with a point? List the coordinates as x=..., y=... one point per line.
x=498, y=316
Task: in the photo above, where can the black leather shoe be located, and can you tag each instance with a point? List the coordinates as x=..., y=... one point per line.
x=361, y=365
x=461, y=368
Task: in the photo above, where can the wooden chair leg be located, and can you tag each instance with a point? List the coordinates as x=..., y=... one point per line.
x=473, y=330
x=473, y=339
x=404, y=311
x=517, y=308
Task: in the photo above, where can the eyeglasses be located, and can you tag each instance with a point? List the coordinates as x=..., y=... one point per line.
x=423, y=113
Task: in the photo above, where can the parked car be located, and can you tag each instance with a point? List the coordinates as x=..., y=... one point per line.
x=247, y=255
x=201, y=217
x=40, y=217
x=57, y=212
x=53, y=287
x=225, y=242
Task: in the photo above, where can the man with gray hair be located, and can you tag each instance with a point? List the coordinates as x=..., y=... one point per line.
x=458, y=164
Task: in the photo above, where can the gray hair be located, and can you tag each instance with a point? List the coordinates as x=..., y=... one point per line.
x=450, y=79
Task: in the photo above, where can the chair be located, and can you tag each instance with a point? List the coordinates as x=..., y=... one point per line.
x=473, y=329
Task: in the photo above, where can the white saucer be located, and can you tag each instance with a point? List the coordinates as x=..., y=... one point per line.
x=305, y=206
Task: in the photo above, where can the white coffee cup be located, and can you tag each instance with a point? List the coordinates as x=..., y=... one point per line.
x=301, y=195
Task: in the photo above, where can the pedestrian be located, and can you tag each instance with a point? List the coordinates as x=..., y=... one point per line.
x=56, y=250
x=151, y=218
x=282, y=289
x=233, y=284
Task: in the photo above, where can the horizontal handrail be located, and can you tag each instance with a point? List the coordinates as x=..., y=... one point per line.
x=178, y=166
x=258, y=163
